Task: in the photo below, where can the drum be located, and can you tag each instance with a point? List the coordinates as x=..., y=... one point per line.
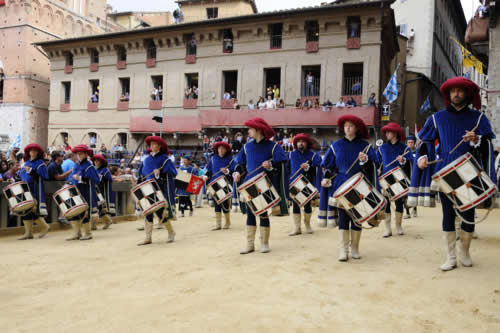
x=149, y=196
x=359, y=199
x=302, y=191
x=21, y=202
x=259, y=194
x=395, y=184
x=220, y=189
x=70, y=201
x=189, y=182
x=464, y=183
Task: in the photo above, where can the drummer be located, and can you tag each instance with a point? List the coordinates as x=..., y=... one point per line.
x=84, y=177
x=338, y=160
x=221, y=163
x=392, y=154
x=108, y=207
x=160, y=167
x=411, y=141
x=450, y=126
x=34, y=172
x=302, y=161
x=183, y=195
x=257, y=155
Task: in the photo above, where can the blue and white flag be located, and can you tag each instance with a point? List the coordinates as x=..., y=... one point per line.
x=15, y=144
x=427, y=104
x=391, y=91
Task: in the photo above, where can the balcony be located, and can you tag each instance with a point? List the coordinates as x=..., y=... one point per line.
x=150, y=62
x=64, y=107
x=68, y=69
x=312, y=47
x=190, y=59
x=357, y=98
x=155, y=105
x=121, y=65
x=94, y=67
x=93, y=107
x=227, y=103
x=123, y=106
x=190, y=103
x=353, y=43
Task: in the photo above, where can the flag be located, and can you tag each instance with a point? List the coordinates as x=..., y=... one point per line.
x=189, y=182
x=427, y=104
x=391, y=91
x=15, y=144
x=468, y=59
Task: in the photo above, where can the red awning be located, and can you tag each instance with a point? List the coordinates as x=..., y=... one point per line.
x=171, y=124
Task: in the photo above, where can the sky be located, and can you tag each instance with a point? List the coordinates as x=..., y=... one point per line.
x=262, y=5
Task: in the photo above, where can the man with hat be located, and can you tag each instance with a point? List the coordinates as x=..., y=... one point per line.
x=391, y=154
x=107, y=208
x=183, y=195
x=158, y=165
x=339, y=166
x=260, y=154
x=221, y=163
x=34, y=172
x=457, y=123
x=411, y=141
x=302, y=161
x=84, y=177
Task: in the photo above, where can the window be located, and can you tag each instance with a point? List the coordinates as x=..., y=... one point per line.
x=230, y=84
x=227, y=43
x=122, y=139
x=157, y=91
x=272, y=79
x=69, y=59
x=150, y=49
x=312, y=31
x=353, y=27
x=212, y=13
x=1, y=85
x=94, y=91
x=94, y=56
x=276, y=32
x=310, y=80
x=124, y=89
x=190, y=40
x=352, y=83
x=66, y=92
x=121, y=53
x=192, y=90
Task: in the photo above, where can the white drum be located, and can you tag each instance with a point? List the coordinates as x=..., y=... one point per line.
x=395, y=184
x=302, y=191
x=359, y=199
x=149, y=196
x=464, y=183
x=70, y=201
x=259, y=194
x=220, y=189
x=21, y=202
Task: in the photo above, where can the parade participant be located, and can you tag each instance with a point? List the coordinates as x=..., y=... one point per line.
x=411, y=141
x=393, y=149
x=338, y=165
x=450, y=126
x=221, y=163
x=159, y=166
x=183, y=195
x=34, y=172
x=84, y=177
x=259, y=154
x=108, y=207
x=302, y=161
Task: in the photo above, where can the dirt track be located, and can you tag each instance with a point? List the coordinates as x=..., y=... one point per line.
x=201, y=283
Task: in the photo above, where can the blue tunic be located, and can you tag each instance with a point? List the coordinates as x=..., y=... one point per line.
x=35, y=179
x=297, y=158
x=388, y=152
x=216, y=163
x=167, y=174
x=191, y=170
x=87, y=184
x=105, y=187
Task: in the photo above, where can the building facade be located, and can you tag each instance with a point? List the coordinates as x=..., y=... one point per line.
x=199, y=10
x=183, y=71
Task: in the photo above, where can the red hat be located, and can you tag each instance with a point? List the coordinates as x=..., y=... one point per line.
x=100, y=158
x=358, y=122
x=302, y=136
x=471, y=91
x=261, y=125
x=393, y=127
x=82, y=149
x=34, y=146
x=222, y=144
x=148, y=151
x=160, y=141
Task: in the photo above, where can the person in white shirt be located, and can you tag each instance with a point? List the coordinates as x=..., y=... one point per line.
x=251, y=106
x=262, y=104
x=227, y=95
x=340, y=103
x=270, y=103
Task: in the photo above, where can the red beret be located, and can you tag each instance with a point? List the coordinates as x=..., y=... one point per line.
x=471, y=91
x=82, y=149
x=393, y=127
x=160, y=141
x=34, y=146
x=100, y=158
x=222, y=144
x=261, y=125
x=358, y=122
x=302, y=136
x=148, y=151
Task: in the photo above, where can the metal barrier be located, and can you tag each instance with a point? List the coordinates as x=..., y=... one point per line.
x=122, y=199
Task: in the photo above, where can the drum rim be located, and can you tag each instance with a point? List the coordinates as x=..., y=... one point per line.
x=271, y=205
x=65, y=187
x=75, y=207
x=164, y=202
x=477, y=202
x=10, y=185
x=308, y=198
x=452, y=166
x=251, y=181
x=296, y=179
x=375, y=211
x=215, y=180
x=359, y=174
x=133, y=189
x=29, y=201
x=389, y=172
x=402, y=194
x=229, y=195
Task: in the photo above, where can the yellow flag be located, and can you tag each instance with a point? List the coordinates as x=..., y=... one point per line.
x=469, y=60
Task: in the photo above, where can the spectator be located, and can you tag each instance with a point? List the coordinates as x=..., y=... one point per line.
x=115, y=174
x=270, y=104
x=327, y=105
x=340, y=103
x=307, y=104
x=154, y=94
x=309, y=84
x=237, y=143
x=356, y=88
x=93, y=141
x=278, y=138
x=69, y=163
x=160, y=93
x=103, y=149
x=225, y=139
x=285, y=143
x=236, y=105
x=196, y=92
x=262, y=104
x=482, y=11
x=354, y=28
x=10, y=175
x=351, y=103
x=206, y=142
x=55, y=170
x=188, y=94
x=192, y=45
x=233, y=94
x=4, y=167
x=281, y=104
x=94, y=98
x=276, y=93
x=316, y=104
x=227, y=95
x=251, y=106
x=269, y=92
x=290, y=142
x=371, y=100
x=298, y=103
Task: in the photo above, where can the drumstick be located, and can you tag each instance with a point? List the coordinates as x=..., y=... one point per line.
x=404, y=153
x=149, y=174
x=434, y=162
x=472, y=130
x=299, y=169
x=357, y=159
x=258, y=168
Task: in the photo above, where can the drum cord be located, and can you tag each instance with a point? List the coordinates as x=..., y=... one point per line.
x=464, y=220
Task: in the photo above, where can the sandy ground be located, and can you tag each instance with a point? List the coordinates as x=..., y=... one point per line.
x=200, y=283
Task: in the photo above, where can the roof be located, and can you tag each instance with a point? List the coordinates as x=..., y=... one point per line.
x=227, y=20
x=252, y=2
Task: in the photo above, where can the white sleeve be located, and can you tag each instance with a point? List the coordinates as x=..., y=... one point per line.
x=476, y=145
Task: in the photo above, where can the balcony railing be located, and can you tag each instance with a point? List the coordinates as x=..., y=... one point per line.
x=122, y=106
x=353, y=43
x=312, y=47
x=227, y=104
x=190, y=103
x=276, y=42
x=94, y=67
x=93, y=107
x=64, y=107
x=190, y=59
x=121, y=64
x=150, y=62
x=68, y=69
x=155, y=105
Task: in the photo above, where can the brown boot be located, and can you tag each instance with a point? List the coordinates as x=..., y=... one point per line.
x=28, y=230
x=44, y=227
x=107, y=221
